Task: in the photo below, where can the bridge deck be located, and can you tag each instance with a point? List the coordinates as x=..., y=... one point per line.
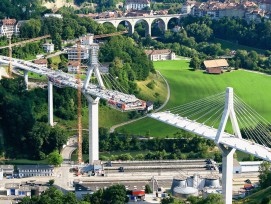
x=121, y=101
x=210, y=133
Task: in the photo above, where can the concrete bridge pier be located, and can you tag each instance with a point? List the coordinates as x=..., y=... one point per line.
x=50, y=104
x=93, y=111
x=227, y=172
x=26, y=78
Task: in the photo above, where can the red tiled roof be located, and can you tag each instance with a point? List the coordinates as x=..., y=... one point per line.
x=40, y=61
x=73, y=63
x=9, y=21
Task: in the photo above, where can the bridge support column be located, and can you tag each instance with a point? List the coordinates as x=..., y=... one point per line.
x=227, y=172
x=93, y=108
x=26, y=78
x=50, y=104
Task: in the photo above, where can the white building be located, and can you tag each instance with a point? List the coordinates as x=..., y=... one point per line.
x=35, y=170
x=72, y=52
x=73, y=66
x=246, y=166
x=47, y=15
x=87, y=39
x=41, y=62
x=48, y=47
x=156, y=55
x=8, y=27
x=136, y=4
x=187, y=7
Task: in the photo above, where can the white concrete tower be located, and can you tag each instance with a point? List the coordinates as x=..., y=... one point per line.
x=50, y=103
x=93, y=104
x=26, y=78
x=227, y=152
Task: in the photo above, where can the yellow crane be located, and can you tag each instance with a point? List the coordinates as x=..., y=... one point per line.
x=19, y=44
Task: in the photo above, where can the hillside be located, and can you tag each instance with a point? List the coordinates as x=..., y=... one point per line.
x=256, y=197
x=187, y=86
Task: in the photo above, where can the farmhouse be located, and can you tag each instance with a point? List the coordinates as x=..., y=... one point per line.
x=73, y=66
x=215, y=66
x=155, y=55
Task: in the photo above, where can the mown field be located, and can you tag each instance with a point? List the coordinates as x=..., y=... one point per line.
x=187, y=85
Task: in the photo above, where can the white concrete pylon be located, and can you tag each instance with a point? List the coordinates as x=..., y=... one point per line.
x=227, y=172
x=228, y=111
x=50, y=103
x=93, y=108
x=26, y=78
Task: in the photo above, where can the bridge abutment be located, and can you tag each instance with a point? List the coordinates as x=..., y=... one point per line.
x=50, y=104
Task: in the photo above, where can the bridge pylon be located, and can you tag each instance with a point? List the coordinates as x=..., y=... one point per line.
x=227, y=152
x=93, y=104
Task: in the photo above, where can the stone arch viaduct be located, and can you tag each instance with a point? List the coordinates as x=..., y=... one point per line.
x=132, y=21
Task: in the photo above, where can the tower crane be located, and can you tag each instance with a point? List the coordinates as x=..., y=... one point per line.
x=79, y=91
x=19, y=44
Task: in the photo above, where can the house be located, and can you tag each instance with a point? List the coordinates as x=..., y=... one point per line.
x=41, y=62
x=48, y=47
x=136, y=4
x=215, y=66
x=187, y=7
x=7, y=170
x=35, y=170
x=86, y=39
x=8, y=27
x=73, y=66
x=165, y=54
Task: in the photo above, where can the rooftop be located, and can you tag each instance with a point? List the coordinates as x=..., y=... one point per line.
x=23, y=167
x=9, y=21
x=40, y=61
x=73, y=63
x=216, y=63
x=157, y=52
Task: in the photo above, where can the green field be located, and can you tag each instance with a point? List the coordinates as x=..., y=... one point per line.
x=187, y=86
x=225, y=44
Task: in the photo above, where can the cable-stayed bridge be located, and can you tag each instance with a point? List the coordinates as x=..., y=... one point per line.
x=96, y=86
x=208, y=118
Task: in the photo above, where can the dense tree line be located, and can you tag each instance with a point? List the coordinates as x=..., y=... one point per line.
x=184, y=145
x=129, y=62
x=24, y=120
x=114, y=194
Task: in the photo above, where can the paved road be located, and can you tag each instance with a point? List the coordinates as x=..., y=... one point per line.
x=112, y=129
x=68, y=150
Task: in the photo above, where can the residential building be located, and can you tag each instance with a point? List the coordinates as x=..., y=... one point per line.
x=72, y=52
x=215, y=66
x=187, y=7
x=47, y=15
x=41, y=62
x=35, y=170
x=87, y=39
x=165, y=54
x=9, y=27
x=136, y=4
x=73, y=66
x=8, y=170
x=48, y=47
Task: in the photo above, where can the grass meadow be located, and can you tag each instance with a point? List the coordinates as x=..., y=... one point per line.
x=187, y=85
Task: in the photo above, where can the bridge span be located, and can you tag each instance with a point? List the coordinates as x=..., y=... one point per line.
x=93, y=93
x=148, y=20
x=259, y=145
